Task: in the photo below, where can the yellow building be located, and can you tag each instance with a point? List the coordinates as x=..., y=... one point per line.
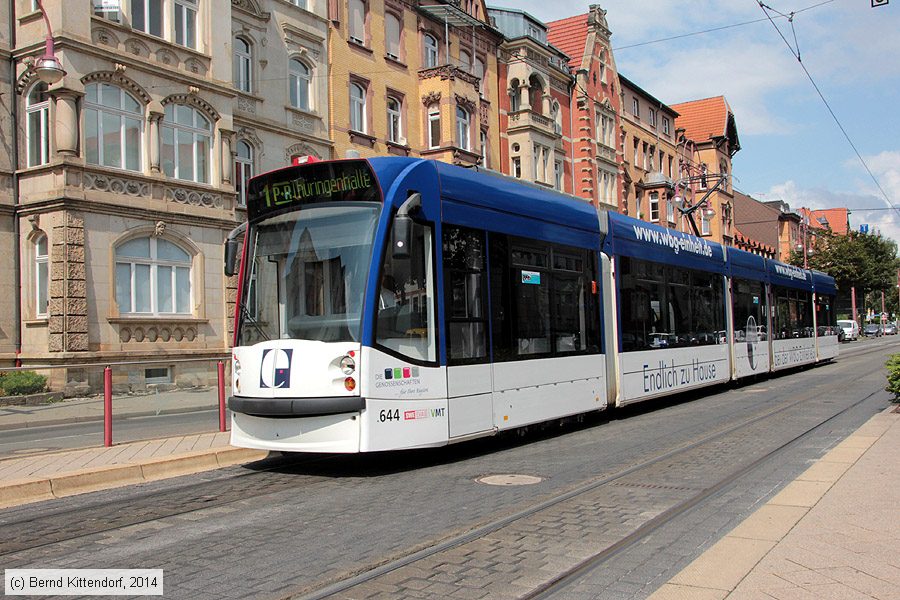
x=414, y=79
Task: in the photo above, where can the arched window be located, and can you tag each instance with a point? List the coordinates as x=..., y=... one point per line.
x=514, y=99
x=465, y=61
x=243, y=170
x=186, y=142
x=395, y=120
x=243, y=62
x=113, y=127
x=41, y=275
x=37, y=111
x=300, y=80
x=536, y=95
x=357, y=108
x=462, y=128
x=153, y=277
x=392, y=35
x=430, y=58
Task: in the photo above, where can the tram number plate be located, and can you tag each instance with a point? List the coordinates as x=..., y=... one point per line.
x=389, y=415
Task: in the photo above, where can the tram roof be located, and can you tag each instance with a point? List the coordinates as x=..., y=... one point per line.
x=632, y=237
x=746, y=265
x=789, y=275
x=823, y=283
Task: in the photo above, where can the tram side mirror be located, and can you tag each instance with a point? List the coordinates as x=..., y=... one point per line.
x=407, y=214
x=232, y=247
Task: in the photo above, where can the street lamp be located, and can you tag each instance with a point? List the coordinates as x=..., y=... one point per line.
x=48, y=68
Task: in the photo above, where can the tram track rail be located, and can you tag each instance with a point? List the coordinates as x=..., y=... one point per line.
x=346, y=582
x=275, y=475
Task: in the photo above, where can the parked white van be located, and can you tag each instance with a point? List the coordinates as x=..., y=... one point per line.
x=850, y=327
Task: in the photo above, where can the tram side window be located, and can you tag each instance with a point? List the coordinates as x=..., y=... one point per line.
x=406, y=320
x=465, y=290
x=749, y=310
x=543, y=299
x=826, y=319
x=793, y=313
x=668, y=307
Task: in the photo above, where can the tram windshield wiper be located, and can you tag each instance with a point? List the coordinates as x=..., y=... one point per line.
x=251, y=320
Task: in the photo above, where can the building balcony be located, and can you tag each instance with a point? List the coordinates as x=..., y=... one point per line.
x=528, y=119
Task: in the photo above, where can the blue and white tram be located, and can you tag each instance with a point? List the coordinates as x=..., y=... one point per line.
x=404, y=303
x=670, y=299
x=825, y=316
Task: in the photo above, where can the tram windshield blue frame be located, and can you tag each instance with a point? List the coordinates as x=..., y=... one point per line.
x=632, y=237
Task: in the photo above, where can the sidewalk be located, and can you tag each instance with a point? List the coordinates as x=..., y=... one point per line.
x=46, y=476
x=832, y=533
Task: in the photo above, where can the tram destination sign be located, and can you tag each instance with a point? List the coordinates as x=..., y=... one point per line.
x=311, y=183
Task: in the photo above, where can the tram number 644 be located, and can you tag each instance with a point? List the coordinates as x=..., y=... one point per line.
x=389, y=415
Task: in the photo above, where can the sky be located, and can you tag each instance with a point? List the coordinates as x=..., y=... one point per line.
x=791, y=147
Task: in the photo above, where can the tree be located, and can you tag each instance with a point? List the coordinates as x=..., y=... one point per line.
x=865, y=261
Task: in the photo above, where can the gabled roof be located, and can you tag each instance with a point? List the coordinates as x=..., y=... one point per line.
x=570, y=36
x=703, y=119
x=837, y=219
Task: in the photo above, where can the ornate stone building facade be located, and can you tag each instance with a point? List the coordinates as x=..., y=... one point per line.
x=535, y=103
x=133, y=167
x=596, y=112
x=414, y=78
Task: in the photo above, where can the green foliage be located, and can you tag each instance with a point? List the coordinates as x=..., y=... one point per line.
x=19, y=383
x=865, y=261
x=893, y=376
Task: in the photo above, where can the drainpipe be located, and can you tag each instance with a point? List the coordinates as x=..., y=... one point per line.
x=572, y=84
x=14, y=159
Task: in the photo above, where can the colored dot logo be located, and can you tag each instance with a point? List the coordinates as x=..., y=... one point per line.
x=401, y=373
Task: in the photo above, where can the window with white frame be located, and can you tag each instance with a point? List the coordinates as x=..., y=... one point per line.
x=462, y=128
x=517, y=167
x=635, y=107
x=654, y=206
x=243, y=63
x=392, y=35
x=665, y=125
x=186, y=143
x=434, y=126
x=153, y=277
x=357, y=23
x=300, y=81
x=558, y=175
x=301, y=3
x=670, y=209
x=637, y=146
x=651, y=114
x=703, y=176
x=704, y=223
x=113, y=127
x=111, y=11
x=243, y=170
x=185, y=23
x=146, y=16
x=41, y=275
x=395, y=120
x=37, y=116
x=483, y=145
x=430, y=51
x=514, y=97
x=357, y=108
x=651, y=154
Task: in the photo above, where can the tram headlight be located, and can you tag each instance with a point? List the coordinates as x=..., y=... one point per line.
x=348, y=365
x=237, y=375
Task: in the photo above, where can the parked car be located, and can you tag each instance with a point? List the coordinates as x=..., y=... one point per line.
x=890, y=329
x=850, y=329
x=873, y=330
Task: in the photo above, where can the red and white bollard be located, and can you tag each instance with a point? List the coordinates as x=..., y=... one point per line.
x=107, y=407
x=221, y=369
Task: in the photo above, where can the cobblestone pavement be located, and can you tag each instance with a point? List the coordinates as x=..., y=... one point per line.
x=305, y=526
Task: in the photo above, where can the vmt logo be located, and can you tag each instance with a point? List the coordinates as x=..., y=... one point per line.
x=275, y=368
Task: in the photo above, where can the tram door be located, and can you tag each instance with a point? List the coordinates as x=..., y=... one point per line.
x=469, y=373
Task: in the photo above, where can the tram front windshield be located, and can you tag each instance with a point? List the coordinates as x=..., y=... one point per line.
x=307, y=273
